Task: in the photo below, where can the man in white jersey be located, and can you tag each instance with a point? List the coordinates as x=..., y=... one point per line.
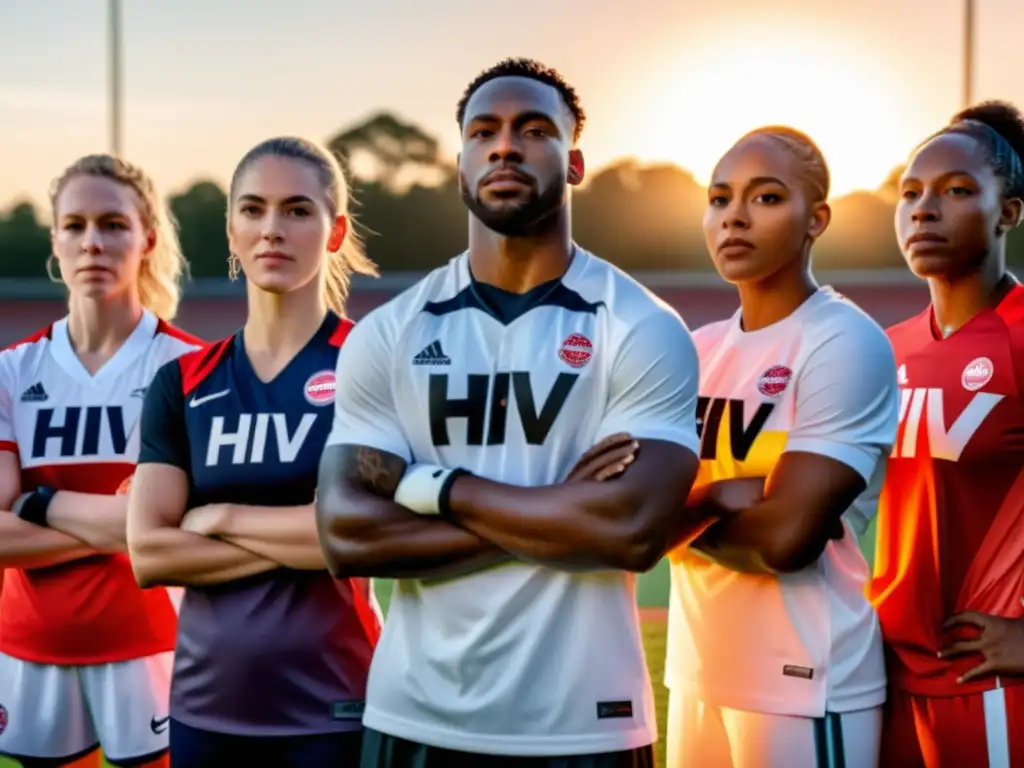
x=461, y=406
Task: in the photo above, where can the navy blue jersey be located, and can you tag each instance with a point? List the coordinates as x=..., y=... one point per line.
x=286, y=652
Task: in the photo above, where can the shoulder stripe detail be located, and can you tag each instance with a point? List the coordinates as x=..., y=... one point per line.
x=341, y=333
x=165, y=328
x=197, y=365
x=44, y=333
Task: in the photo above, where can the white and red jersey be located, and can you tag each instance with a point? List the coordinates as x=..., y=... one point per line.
x=76, y=431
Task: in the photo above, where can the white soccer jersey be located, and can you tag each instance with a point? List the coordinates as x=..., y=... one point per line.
x=822, y=380
x=521, y=659
x=77, y=431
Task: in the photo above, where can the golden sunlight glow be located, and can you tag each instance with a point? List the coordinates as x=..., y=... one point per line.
x=846, y=102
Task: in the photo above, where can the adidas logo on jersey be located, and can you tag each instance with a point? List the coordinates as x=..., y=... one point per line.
x=432, y=354
x=35, y=394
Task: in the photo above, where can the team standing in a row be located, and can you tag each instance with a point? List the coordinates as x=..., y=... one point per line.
x=512, y=439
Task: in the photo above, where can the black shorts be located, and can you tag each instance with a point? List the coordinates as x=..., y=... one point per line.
x=196, y=748
x=383, y=751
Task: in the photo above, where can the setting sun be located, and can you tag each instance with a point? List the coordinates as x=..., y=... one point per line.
x=847, y=103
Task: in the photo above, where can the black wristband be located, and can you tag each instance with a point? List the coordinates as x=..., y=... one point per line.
x=444, y=495
x=34, y=506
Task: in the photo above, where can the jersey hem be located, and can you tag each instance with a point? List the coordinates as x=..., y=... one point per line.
x=62, y=660
x=531, y=745
x=770, y=705
x=230, y=728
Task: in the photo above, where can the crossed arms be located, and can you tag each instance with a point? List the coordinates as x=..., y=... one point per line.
x=172, y=545
x=626, y=522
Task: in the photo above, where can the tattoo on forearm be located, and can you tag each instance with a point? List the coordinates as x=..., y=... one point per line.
x=376, y=471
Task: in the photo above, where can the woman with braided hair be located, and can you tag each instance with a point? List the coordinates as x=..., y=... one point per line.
x=85, y=655
x=775, y=657
x=949, y=569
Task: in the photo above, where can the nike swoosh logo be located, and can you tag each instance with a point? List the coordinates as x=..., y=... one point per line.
x=195, y=402
x=159, y=726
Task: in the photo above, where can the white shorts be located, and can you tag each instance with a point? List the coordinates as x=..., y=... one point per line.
x=715, y=737
x=61, y=712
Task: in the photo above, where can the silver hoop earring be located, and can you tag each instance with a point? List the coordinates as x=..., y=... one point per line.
x=51, y=271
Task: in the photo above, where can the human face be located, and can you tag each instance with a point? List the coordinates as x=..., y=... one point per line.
x=951, y=209
x=280, y=223
x=759, y=219
x=517, y=154
x=99, y=237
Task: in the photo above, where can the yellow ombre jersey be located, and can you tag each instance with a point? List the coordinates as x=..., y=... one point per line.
x=822, y=380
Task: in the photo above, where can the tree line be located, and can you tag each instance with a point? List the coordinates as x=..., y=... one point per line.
x=641, y=217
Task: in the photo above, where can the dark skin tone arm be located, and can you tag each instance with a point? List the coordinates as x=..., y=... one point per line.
x=364, y=533
x=779, y=524
x=626, y=524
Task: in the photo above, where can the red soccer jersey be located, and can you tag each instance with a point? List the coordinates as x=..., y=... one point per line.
x=77, y=431
x=951, y=514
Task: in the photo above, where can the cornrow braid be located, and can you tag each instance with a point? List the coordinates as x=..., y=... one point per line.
x=816, y=174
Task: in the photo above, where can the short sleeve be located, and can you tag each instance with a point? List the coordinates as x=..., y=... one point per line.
x=364, y=406
x=654, y=382
x=847, y=400
x=163, y=434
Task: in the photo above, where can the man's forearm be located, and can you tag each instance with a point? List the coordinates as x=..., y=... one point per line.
x=24, y=545
x=97, y=519
x=627, y=523
x=375, y=537
x=577, y=526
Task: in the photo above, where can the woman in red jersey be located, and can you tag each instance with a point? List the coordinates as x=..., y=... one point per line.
x=949, y=569
x=85, y=655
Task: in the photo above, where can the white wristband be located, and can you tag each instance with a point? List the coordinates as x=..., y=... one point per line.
x=424, y=488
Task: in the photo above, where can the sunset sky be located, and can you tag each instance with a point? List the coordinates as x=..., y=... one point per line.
x=670, y=80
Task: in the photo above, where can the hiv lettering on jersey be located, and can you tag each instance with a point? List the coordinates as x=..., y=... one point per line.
x=77, y=431
x=743, y=433
x=80, y=431
x=951, y=513
x=515, y=388
x=244, y=441
x=786, y=387
x=481, y=389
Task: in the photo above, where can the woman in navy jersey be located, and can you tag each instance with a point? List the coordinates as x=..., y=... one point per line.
x=272, y=652
x=85, y=655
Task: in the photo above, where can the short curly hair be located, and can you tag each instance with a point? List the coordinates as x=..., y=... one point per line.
x=534, y=70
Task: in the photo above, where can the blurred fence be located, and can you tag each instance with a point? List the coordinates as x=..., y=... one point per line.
x=215, y=308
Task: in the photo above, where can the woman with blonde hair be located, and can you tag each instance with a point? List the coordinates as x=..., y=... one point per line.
x=85, y=655
x=273, y=653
